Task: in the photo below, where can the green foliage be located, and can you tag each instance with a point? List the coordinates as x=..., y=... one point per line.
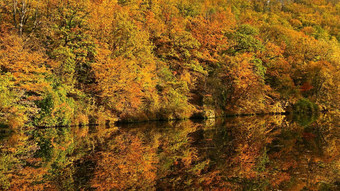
x=259, y=68
x=188, y=9
x=55, y=109
x=248, y=30
x=6, y=163
x=174, y=103
x=304, y=105
x=304, y=119
x=245, y=39
x=7, y=97
x=262, y=161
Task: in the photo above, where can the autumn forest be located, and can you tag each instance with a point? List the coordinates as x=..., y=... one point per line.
x=67, y=62
x=258, y=79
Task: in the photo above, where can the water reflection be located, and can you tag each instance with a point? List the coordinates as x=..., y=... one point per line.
x=248, y=153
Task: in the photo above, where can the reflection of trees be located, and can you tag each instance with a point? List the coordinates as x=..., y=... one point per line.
x=44, y=159
x=241, y=161
x=250, y=153
x=263, y=153
x=174, y=159
x=178, y=159
x=17, y=163
x=303, y=154
x=126, y=163
x=225, y=156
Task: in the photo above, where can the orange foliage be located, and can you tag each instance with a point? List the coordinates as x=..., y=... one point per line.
x=128, y=164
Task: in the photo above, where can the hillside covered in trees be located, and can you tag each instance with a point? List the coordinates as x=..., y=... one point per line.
x=72, y=61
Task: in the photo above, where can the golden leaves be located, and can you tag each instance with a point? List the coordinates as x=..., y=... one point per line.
x=128, y=164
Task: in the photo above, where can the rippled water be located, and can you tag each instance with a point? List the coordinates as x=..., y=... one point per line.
x=248, y=153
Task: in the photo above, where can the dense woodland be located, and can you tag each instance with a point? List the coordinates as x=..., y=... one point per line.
x=67, y=62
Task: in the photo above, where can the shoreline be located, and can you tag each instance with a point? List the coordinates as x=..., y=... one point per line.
x=119, y=122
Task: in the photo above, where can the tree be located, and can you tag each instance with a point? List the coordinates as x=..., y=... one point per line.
x=25, y=71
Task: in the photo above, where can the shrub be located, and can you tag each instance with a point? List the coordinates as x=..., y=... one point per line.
x=305, y=106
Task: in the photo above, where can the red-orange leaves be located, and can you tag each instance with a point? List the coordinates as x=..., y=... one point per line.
x=210, y=32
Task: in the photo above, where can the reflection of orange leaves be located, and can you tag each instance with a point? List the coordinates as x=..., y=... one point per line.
x=246, y=161
x=27, y=177
x=306, y=87
x=279, y=178
x=287, y=164
x=308, y=136
x=128, y=164
x=211, y=178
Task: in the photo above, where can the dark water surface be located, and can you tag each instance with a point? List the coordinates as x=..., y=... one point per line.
x=248, y=153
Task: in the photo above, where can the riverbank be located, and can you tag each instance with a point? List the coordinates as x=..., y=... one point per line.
x=118, y=122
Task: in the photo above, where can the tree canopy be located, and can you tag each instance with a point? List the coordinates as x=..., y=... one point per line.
x=64, y=62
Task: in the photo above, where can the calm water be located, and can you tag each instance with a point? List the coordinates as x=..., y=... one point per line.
x=248, y=153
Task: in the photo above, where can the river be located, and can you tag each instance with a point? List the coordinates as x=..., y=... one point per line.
x=242, y=153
